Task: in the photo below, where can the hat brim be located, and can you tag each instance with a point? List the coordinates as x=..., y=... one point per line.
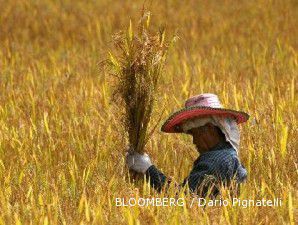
x=173, y=123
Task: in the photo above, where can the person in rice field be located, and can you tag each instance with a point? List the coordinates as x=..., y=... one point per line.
x=215, y=134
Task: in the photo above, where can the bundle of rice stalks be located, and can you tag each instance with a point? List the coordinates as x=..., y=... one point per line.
x=137, y=64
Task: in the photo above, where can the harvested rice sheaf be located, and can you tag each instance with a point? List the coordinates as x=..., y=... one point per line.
x=137, y=64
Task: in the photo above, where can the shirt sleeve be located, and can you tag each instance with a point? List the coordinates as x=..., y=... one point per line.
x=156, y=178
x=203, y=175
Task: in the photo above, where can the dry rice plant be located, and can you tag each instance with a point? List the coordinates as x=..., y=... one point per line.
x=137, y=68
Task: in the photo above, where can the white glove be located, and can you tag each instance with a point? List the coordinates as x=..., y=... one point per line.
x=138, y=162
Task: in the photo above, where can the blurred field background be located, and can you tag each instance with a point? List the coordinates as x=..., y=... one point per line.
x=61, y=147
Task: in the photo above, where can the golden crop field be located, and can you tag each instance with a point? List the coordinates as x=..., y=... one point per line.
x=62, y=148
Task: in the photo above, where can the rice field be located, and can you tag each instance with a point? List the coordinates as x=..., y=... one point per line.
x=61, y=144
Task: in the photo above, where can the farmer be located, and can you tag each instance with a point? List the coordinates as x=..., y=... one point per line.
x=216, y=136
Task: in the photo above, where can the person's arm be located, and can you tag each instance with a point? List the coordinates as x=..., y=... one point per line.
x=141, y=163
x=156, y=178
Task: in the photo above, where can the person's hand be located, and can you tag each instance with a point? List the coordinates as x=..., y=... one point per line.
x=138, y=162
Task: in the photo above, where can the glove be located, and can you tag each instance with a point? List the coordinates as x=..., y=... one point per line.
x=138, y=162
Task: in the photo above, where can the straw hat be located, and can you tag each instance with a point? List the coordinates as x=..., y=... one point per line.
x=202, y=105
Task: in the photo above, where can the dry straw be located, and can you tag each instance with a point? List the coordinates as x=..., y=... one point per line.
x=137, y=63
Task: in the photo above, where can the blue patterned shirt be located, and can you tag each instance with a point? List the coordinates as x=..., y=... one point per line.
x=219, y=165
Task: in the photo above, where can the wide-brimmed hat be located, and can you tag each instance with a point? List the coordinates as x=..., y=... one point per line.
x=200, y=106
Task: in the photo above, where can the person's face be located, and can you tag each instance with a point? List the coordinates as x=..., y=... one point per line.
x=205, y=137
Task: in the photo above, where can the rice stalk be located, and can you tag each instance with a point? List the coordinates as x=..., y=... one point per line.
x=137, y=64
